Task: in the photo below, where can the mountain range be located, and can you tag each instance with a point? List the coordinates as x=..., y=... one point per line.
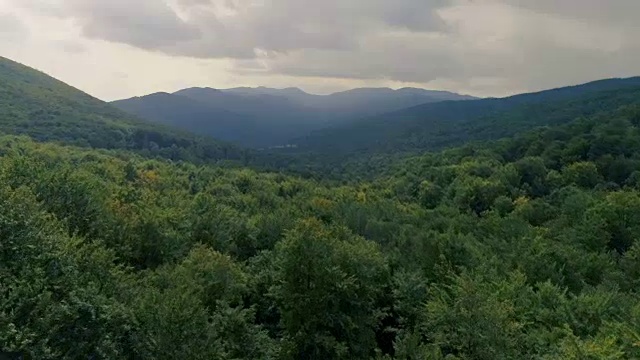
x=266, y=117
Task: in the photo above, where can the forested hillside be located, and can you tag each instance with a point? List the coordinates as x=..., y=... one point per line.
x=524, y=248
x=34, y=104
x=451, y=123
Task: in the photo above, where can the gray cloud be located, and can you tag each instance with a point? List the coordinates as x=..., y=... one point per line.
x=237, y=28
x=72, y=47
x=242, y=28
x=148, y=24
x=514, y=46
x=12, y=28
x=599, y=11
x=495, y=44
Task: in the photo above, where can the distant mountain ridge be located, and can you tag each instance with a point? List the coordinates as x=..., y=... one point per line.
x=262, y=90
x=266, y=117
x=36, y=105
x=434, y=126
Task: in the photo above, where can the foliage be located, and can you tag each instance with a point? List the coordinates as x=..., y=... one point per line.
x=523, y=248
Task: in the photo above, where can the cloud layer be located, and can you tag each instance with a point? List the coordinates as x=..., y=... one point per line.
x=486, y=47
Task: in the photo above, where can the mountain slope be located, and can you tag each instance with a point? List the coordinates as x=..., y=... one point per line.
x=437, y=125
x=35, y=104
x=249, y=120
x=264, y=117
x=371, y=101
x=357, y=102
x=290, y=93
x=194, y=116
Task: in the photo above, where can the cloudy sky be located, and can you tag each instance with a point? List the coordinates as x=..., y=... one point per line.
x=120, y=48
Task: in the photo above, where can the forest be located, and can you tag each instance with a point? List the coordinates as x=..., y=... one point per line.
x=524, y=247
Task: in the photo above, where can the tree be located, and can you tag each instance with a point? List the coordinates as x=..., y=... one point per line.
x=475, y=319
x=477, y=194
x=57, y=295
x=194, y=310
x=619, y=216
x=327, y=282
x=429, y=194
x=583, y=174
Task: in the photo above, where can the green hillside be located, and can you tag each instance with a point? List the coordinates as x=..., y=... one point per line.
x=371, y=147
x=34, y=104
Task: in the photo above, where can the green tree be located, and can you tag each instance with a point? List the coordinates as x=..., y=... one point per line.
x=327, y=283
x=584, y=174
x=429, y=194
x=475, y=319
x=57, y=294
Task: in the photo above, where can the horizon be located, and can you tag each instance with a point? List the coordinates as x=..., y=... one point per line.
x=258, y=87
x=386, y=88
x=329, y=93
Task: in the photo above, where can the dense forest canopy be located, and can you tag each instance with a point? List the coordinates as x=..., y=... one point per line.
x=520, y=248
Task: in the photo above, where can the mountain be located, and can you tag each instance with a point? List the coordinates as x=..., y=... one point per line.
x=194, y=116
x=266, y=117
x=355, y=103
x=37, y=105
x=437, y=125
x=255, y=120
x=290, y=93
x=360, y=101
x=370, y=101
x=527, y=247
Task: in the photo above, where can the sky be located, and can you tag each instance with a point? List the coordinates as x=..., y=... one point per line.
x=116, y=49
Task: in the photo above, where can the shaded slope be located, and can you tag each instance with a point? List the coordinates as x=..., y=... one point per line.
x=438, y=125
x=194, y=116
x=372, y=101
x=255, y=121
